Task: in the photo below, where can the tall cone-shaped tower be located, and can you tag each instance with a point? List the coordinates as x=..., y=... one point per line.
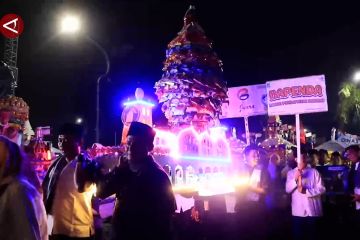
x=192, y=88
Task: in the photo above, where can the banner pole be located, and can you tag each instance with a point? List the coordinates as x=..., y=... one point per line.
x=297, y=117
x=247, y=131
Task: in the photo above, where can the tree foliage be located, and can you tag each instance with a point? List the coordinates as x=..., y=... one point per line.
x=349, y=108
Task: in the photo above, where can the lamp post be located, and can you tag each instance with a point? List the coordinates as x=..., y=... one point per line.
x=71, y=25
x=102, y=76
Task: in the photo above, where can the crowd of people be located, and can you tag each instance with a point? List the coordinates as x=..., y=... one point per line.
x=61, y=207
x=314, y=196
x=145, y=201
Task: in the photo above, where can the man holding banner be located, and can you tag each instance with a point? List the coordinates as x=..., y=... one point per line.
x=306, y=187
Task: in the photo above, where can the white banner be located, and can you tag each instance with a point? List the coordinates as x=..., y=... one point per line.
x=245, y=101
x=297, y=96
x=347, y=140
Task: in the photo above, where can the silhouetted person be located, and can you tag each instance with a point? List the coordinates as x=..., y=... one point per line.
x=250, y=204
x=353, y=154
x=314, y=159
x=336, y=159
x=324, y=158
x=22, y=212
x=145, y=201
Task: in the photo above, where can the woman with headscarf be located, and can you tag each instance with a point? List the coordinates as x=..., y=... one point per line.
x=22, y=213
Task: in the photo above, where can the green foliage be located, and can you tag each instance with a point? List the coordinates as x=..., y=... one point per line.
x=349, y=108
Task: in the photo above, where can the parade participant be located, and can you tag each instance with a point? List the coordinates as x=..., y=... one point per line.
x=314, y=158
x=324, y=158
x=336, y=159
x=250, y=204
x=277, y=200
x=352, y=153
x=290, y=164
x=306, y=187
x=145, y=201
x=258, y=178
x=71, y=210
x=22, y=212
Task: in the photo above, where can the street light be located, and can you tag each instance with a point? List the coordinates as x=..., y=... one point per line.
x=79, y=120
x=356, y=77
x=71, y=25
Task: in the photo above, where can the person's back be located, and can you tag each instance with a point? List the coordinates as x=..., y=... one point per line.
x=145, y=200
x=145, y=203
x=22, y=212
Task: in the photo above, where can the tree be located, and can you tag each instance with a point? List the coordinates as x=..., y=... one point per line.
x=349, y=108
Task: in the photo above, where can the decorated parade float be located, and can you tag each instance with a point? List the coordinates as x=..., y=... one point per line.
x=197, y=152
x=15, y=125
x=193, y=148
x=191, y=91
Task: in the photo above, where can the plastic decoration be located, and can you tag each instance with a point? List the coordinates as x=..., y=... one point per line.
x=192, y=88
x=209, y=146
x=18, y=107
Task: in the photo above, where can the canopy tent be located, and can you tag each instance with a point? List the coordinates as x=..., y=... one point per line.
x=274, y=142
x=331, y=146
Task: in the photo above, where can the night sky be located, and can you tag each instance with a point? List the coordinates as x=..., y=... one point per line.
x=257, y=41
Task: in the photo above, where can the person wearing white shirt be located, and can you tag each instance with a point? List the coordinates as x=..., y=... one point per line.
x=71, y=211
x=306, y=187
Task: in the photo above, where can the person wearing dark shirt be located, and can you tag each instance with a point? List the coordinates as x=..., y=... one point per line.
x=352, y=153
x=324, y=158
x=145, y=201
x=336, y=159
x=250, y=205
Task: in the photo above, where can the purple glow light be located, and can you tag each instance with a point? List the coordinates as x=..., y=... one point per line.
x=212, y=144
x=141, y=102
x=208, y=159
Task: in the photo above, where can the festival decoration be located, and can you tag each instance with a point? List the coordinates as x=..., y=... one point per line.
x=98, y=150
x=275, y=145
x=209, y=146
x=192, y=88
x=136, y=110
x=14, y=118
x=18, y=107
x=39, y=152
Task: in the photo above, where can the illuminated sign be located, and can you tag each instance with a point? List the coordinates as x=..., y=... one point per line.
x=297, y=96
x=210, y=145
x=245, y=101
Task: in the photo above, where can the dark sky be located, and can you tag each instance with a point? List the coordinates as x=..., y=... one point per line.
x=257, y=41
